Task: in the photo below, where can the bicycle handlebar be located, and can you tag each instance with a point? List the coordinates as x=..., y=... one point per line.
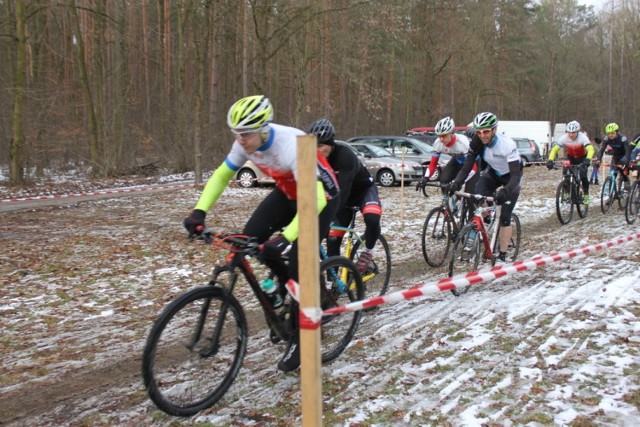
x=237, y=242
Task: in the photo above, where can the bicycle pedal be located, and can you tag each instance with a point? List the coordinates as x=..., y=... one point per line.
x=275, y=339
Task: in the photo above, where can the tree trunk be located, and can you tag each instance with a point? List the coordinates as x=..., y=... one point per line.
x=92, y=121
x=16, y=153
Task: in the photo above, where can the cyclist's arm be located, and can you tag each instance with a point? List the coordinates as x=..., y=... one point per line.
x=475, y=148
x=515, y=176
x=603, y=147
x=215, y=186
x=590, y=151
x=433, y=164
x=554, y=152
x=291, y=231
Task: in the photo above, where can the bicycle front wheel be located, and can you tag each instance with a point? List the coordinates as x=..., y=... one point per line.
x=623, y=194
x=340, y=283
x=378, y=272
x=194, y=351
x=633, y=204
x=436, y=236
x=466, y=255
x=514, y=244
x=607, y=194
x=564, y=205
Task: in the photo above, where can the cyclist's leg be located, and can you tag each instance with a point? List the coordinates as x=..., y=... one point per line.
x=449, y=172
x=291, y=357
x=487, y=183
x=505, y=216
x=271, y=215
x=334, y=238
x=582, y=172
x=371, y=209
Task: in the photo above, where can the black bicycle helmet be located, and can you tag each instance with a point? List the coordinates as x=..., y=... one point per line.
x=324, y=131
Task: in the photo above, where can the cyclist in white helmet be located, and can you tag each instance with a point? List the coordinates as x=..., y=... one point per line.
x=503, y=169
x=579, y=151
x=272, y=148
x=457, y=146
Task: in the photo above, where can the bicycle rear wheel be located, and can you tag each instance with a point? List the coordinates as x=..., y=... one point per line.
x=436, y=236
x=607, y=194
x=466, y=255
x=514, y=245
x=564, y=203
x=581, y=207
x=340, y=283
x=378, y=273
x=194, y=351
x=633, y=204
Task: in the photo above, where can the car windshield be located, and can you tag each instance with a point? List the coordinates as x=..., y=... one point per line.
x=379, y=151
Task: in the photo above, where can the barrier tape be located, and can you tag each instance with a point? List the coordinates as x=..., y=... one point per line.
x=98, y=192
x=476, y=277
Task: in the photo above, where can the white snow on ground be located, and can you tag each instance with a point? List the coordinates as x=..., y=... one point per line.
x=554, y=346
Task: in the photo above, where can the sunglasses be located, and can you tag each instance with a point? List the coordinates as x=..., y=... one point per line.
x=483, y=131
x=244, y=134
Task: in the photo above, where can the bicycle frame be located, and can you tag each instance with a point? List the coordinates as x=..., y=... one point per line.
x=571, y=175
x=237, y=260
x=352, y=236
x=478, y=221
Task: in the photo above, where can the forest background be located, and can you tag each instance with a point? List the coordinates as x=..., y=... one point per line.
x=107, y=85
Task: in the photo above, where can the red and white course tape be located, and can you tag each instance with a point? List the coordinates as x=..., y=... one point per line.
x=480, y=276
x=99, y=192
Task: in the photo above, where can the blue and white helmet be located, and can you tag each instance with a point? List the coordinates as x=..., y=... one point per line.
x=573, y=126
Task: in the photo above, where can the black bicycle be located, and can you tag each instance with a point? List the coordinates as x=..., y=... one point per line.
x=441, y=227
x=633, y=202
x=197, y=344
x=569, y=194
x=613, y=188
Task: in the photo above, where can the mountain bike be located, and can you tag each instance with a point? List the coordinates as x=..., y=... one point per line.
x=633, y=203
x=196, y=346
x=570, y=194
x=613, y=188
x=378, y=272
x=473, y=244
x=441, y=227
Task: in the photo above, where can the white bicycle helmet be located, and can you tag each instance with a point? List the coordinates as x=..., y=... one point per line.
x=573, y=126
x=445, y=126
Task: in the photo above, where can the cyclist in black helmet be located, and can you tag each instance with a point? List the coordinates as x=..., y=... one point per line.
x=503, y=169
x=357, y=188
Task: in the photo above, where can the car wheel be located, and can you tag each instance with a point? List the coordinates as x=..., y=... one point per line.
x=386, y=178
x=525, y=161
x=246, y=178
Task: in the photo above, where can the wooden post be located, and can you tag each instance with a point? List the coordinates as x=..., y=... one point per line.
x=308, y=276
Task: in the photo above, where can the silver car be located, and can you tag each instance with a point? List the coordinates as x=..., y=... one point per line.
x=407, y=148
x=387, y=169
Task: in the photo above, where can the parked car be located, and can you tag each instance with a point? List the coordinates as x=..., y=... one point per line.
x=386, y=168
x=405, y=147
x=250, y=176
x=529, y=150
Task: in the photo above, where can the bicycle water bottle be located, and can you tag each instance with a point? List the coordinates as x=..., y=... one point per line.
x=271, y=289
